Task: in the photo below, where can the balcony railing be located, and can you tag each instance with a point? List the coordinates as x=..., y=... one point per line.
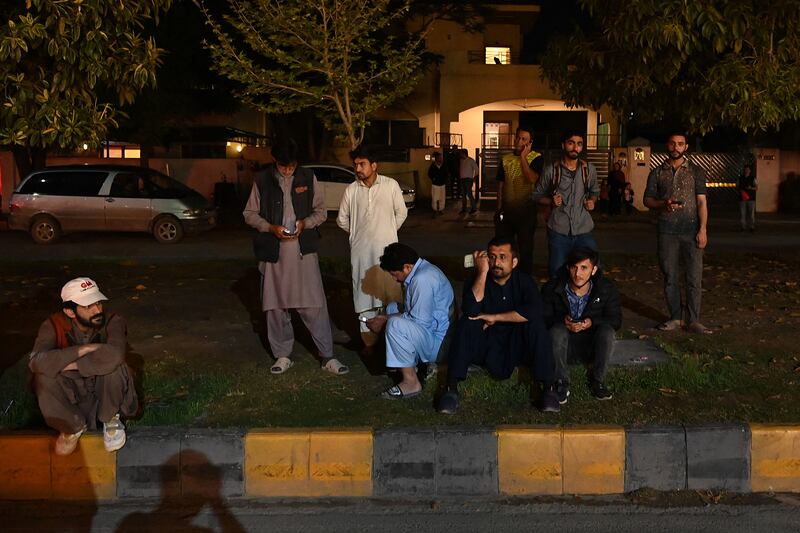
x=484, y=57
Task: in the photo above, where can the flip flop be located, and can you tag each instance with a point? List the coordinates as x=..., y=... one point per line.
x=335, y=367
x=670, y=325
x=282, y=364
x=396, y=393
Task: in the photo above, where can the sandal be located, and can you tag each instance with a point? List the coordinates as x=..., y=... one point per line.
x=670, y=325
x=335, y=367
x=697, y=327
x=396, y=393
x=282, y=364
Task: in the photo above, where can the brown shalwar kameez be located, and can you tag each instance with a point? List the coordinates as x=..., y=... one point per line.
x=100, y=388
x=294, y=282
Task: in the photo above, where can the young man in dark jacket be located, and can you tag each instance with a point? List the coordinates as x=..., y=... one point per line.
x=582, y=312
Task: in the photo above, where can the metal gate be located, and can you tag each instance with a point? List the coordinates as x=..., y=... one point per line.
x=722, y=173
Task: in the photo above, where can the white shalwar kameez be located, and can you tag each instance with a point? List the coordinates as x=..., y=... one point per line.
x=372, y=216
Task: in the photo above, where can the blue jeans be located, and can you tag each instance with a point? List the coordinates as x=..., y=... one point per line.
x=561, y=245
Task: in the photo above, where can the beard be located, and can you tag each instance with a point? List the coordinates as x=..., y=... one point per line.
x=675, y=154
x=572, y=155
x=95, y=321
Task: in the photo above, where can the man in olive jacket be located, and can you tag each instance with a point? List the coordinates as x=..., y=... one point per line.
x=582, y=313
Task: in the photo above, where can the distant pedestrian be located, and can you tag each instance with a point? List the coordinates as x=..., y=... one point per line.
x=627, y=198
x=371, y=211
x=616, y=184
x=677, y=190
x=467, y=172
x=286, y=206
x=569, y=187
x=516, y=210
x=437, y=173
x=79, y=371
x=747, y=199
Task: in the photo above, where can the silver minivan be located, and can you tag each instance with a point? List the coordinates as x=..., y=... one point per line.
x=57, y=200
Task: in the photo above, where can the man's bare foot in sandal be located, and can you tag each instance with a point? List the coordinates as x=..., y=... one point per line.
x=670, y=325
x=334, y=366
x=282, y=364
x=697, y=327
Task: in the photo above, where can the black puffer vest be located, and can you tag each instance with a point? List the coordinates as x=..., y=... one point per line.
x=266, y=245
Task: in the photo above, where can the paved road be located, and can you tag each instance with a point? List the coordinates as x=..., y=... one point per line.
x=448, y=235
x=597, y=515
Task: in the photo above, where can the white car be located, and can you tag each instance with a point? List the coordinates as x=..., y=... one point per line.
x=335, y=178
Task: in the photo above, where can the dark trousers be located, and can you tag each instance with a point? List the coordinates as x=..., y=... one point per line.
x=594, y=345
x=69, y=402
x=672, y=251
x=466, y=192
x=519, y=222
x=500, y=348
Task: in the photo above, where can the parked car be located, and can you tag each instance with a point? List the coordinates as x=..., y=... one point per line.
x=335, y=179
x=57, y=200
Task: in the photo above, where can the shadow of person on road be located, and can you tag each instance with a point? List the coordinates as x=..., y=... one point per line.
x=203, y=510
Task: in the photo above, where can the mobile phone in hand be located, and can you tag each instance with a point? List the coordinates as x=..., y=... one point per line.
x=469, y=261
x=363, y=319
x=287, y=232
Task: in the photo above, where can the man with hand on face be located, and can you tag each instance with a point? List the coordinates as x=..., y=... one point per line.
x=582, y=312
x=79, y=370
x=286, y=206
x=371, y=211
x=501, y=327
x=677, y=189
x=516, y=210
x=415, y=331
x=569, y=188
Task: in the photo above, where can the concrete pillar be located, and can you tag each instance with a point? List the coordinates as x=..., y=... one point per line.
x=768, y=177
x=638, y=169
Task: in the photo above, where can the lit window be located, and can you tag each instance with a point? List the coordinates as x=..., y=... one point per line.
x=498, y=55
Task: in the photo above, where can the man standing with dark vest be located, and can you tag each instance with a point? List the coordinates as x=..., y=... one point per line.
x=516, y=210
x=79, y=370
x=286, y=206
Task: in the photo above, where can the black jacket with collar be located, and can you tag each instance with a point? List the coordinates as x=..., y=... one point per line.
x=603, y=306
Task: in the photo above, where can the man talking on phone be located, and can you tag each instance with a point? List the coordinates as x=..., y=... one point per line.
x=501, y=327
x=286, y=206
x=515, y=217
x=582, y=312
x=677, y=190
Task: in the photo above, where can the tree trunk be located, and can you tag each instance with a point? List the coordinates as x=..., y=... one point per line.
x=28, y=159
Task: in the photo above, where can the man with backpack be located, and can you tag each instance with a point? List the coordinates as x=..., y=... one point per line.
x=569, y=188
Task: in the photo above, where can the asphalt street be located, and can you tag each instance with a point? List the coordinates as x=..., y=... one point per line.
x=589, y=515
x=449, y=235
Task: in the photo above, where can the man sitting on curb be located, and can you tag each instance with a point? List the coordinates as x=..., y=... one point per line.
x=414, y=334
x=582, y=311
x=501, y=327
x=79, y=370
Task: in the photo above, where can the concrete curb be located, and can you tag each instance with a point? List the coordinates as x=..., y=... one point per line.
x=419, y=462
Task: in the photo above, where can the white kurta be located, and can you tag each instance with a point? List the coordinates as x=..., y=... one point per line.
x=372, y=216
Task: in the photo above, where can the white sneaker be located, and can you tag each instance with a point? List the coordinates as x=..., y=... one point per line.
x=113, y=434
x=66, y=443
